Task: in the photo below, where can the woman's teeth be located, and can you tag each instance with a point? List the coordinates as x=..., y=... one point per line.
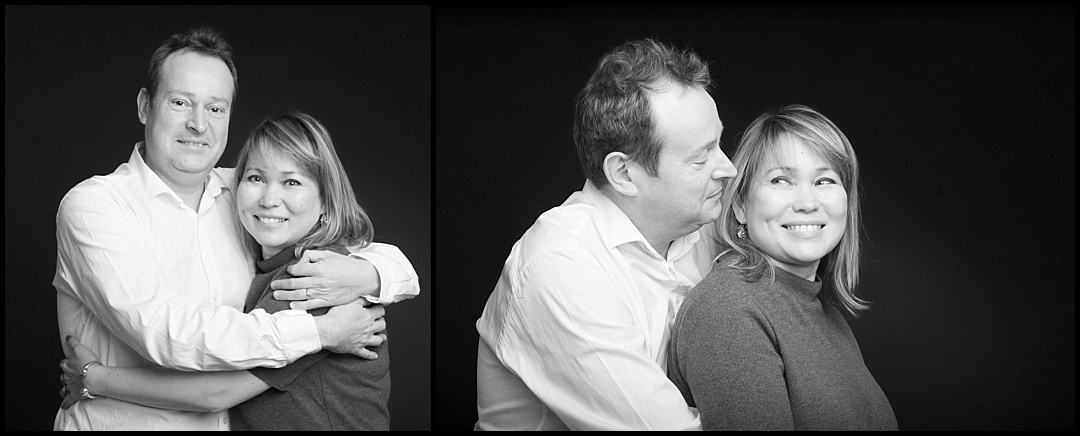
x=804, y=228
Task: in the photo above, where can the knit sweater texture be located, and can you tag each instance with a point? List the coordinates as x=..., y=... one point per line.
x=771, y=356
x=321, y=391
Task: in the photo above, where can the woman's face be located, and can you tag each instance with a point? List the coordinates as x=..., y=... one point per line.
x=796, y=209
x=277, y=202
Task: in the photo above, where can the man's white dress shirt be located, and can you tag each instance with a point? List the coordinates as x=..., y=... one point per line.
x=575, y=334
x=142, y=280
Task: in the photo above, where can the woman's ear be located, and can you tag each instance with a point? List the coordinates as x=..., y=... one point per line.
x=617, y=169
x=740, y=212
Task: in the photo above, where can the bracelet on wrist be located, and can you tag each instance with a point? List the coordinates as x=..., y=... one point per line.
x=87, y=368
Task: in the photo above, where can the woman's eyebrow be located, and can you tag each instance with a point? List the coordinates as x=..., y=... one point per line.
x=792, y=169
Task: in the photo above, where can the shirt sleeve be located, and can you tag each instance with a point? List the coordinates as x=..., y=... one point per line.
x=397, y=278
x=104, y=265
x=729, y=360
x=281, y=378
x=573, y=340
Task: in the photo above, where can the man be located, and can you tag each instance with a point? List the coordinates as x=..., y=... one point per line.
x=150, y=265
x=575, y=333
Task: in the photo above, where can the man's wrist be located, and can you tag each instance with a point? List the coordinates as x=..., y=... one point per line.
x=370, y=280
x=325, y=333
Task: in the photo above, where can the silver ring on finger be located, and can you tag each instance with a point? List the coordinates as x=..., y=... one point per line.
x=308, y=293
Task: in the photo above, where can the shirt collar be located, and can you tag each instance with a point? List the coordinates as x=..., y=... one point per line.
x=616, y=228
x=154, y=186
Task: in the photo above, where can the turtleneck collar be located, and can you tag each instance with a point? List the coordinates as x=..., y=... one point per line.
x=284, y=256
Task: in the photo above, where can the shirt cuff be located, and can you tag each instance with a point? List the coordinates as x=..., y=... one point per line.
x=390, y=291
x=299, y=336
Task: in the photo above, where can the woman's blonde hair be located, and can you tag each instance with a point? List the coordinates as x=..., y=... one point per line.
x=762, y=140
x=303, y=139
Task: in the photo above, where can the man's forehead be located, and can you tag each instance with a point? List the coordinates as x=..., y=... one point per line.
x=194, y=73
x=685, y=117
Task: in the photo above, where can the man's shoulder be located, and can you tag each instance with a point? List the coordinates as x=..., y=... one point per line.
x=226, y=173
x=566, y=229
x=100, y=190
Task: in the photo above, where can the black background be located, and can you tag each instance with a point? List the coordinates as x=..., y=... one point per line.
x=71, y=79
x=963, y=122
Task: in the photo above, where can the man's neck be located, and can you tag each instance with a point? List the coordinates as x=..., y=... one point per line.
x=188, y=186
x=657, y=235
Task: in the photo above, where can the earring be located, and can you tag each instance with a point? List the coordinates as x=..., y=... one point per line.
x=741, y=231
x=322, y=219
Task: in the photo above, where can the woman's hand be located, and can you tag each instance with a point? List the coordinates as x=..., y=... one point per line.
x=74, y=382
x=326, y=278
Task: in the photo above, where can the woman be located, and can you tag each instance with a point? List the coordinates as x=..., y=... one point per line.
x=292, y=195
x=760, y=343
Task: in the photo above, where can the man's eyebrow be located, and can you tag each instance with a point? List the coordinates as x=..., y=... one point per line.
x=703, y=148
x=192, y=96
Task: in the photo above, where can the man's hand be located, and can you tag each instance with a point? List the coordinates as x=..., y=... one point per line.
x=348, y=328
x=324, y=279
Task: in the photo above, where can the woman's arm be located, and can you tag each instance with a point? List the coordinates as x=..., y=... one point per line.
x=729, y=361
x=172, y=389
x=159, y=387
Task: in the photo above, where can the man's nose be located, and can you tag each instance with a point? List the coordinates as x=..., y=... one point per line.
x=724, y=168
x=197, y=121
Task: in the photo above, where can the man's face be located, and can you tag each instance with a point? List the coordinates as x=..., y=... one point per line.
x=686, y=193
x=187, y=122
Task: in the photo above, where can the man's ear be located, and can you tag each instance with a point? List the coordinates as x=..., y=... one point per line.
x=617, y=169
x=143, y=102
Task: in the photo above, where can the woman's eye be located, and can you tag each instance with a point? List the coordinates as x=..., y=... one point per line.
x=292, y=182
x=780, y=179
x=826, y=180
x=254, y=178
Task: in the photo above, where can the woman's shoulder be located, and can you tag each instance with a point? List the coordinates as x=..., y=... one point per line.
x=338, y=248
x=727, y=288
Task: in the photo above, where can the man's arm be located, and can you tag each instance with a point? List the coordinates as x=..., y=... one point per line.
x=578, y=344
x=103, y=264
x=379, y=273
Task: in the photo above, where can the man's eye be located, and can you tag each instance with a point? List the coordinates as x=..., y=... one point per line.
x=179, y=103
